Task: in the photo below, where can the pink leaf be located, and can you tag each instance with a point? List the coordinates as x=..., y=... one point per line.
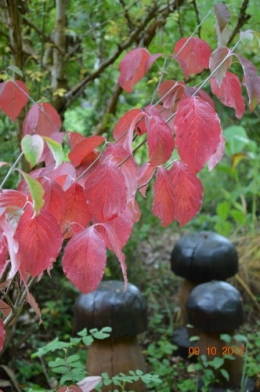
x=251, y=81
x=105, y=192
x=124, y=129
x=77, y=214
x=194, y=52
x=4, y=308
x=83, y=148
x=74, y=138
x=198, y=131
x=133, y=67
x=121, y=129
x=2, y=334
x=31, y=300
x=9, y=197
x=230, y=92
x=119, y=156
x=13, y=97
x=163, y=204
x=84, y=259
x=146, y=172
x=88, y=383
x=222, y=15
x=3, y=253
x=216, y=158
x=187, y=191
x=42, y=119
x=160, y=141
x=39, y=239
x=112, y=242
x=215, y=59
x=171, y=92
x=54, y=198
x=13, y=246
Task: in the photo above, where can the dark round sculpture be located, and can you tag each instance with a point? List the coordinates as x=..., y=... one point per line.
x=111, y=306
x=215, y=307
x=201, y=257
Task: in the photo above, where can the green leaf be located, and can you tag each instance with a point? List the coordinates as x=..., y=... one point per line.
x=56, y=150
x=99, y=334
x=15, y=69
x=52, y=346
x=240, y=338
x=36, y=192
x=32, y=147
x=194, y=338
x=225, y=337
x=88, y=340
x=84, y=332
x=224, y=374
x=217, y=362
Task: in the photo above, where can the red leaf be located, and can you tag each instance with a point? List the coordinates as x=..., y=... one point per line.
x=160, y=141
x=230, y=92
x=216, y=158
x=171, y=92
x=119, y=156
x=122, y=226
x=251, y=81
x=42, y=119
x=77, y=215
x=222, y=15
x=84, y=260
x=198, y=131
x=112, y=242
x=13, y=246
x=9, y=197
x=13, y=97
x=2, y=334
x=123, y=131
x=31, y=300
x=105, y=192
x=163, y=204
x=54, y=199
x=74, y=138
x=146, y=173
x=39, y=239
x=215, y=59
x=194, y=52
x=133, y=67
x=188, y=192
x=83, y=148
x=3, y=254
x=4, y=308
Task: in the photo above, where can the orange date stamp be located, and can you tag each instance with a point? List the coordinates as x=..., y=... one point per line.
x=218, y=352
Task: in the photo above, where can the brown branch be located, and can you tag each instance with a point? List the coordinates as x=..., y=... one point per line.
x=44, y=36
x=197, y=16
x=242, y=19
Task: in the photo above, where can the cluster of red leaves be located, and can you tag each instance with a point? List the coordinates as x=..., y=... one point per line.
x=89, y=199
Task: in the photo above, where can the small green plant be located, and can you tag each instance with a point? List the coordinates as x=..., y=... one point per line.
x=121, y=379
x=69, y=367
